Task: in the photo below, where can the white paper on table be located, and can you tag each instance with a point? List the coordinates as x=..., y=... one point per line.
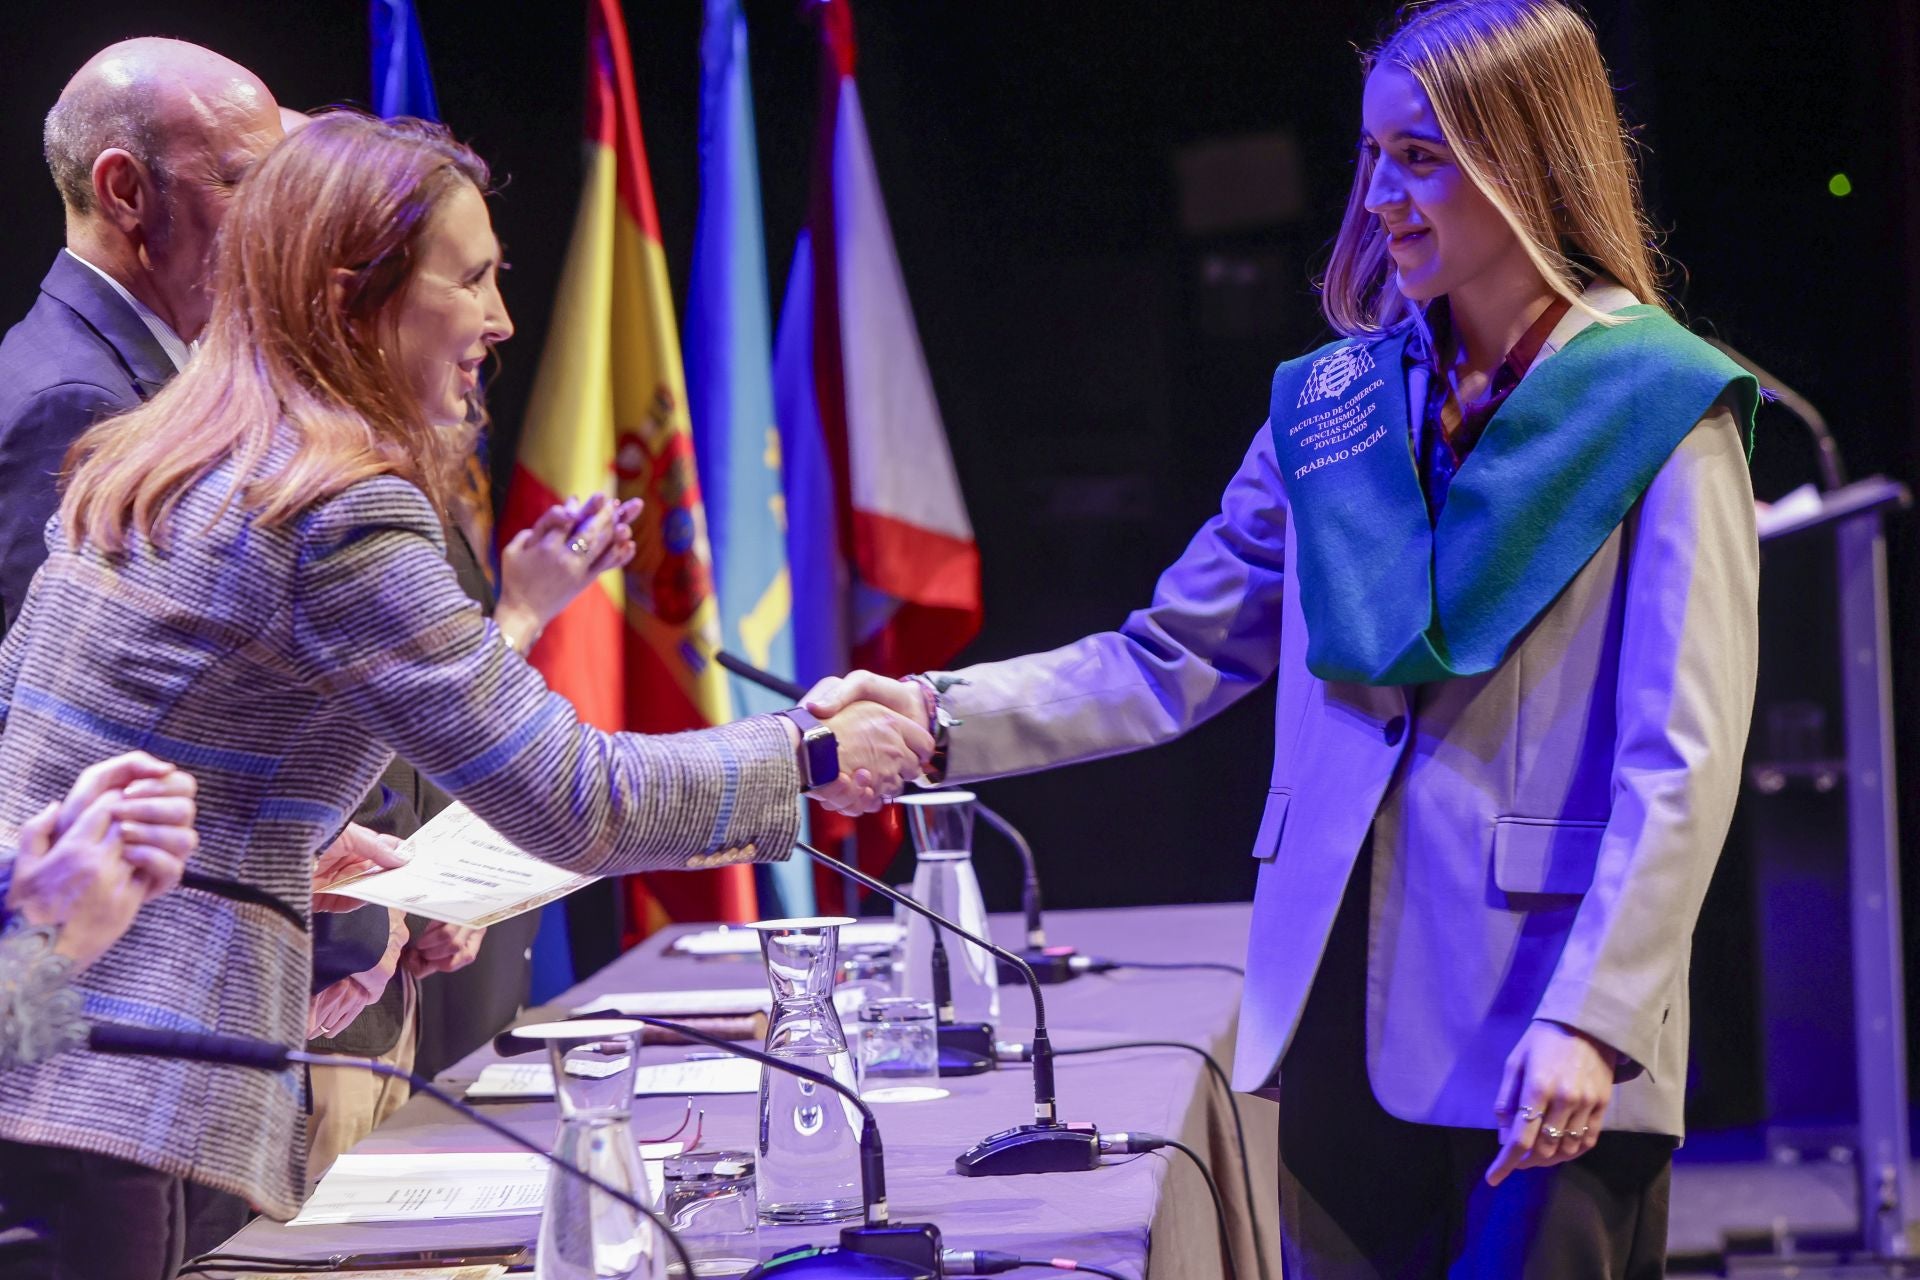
x=408, y=1187
x=726, y=1002
x=517, y=1080
x=462, y=871
x=418, y=1187
x=731, y=941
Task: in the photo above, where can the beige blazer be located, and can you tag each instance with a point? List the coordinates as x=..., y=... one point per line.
x=1543, y=833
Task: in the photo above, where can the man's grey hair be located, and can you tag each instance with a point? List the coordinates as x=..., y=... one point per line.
x=96, y=117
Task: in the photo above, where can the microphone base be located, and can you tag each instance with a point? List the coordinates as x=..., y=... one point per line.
x=1051, y=966
x=1032, y=1148
x=895, y=1251
x=966, y=1049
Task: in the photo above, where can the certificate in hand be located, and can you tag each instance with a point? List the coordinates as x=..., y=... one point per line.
x=462, y=871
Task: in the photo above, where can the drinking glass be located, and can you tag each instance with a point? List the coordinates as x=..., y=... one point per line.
x=711, y=1201
x=899, y=1043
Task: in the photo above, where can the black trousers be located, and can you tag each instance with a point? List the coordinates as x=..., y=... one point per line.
x=1367, y=1196
x=72, y=1215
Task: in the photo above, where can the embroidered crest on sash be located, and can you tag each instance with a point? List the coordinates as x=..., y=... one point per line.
x=1333, y=373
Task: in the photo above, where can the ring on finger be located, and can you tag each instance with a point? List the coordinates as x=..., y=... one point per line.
x=1555, y=1134
x=579, y=546
x=1529, y=1114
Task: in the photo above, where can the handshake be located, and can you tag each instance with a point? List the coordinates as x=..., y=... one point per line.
x=884, y=728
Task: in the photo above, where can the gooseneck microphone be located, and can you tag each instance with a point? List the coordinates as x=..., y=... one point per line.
x=1046, y=1145
x=1050, y=965
x=187, y=1046
x=874, y=1249
x=264, y=1055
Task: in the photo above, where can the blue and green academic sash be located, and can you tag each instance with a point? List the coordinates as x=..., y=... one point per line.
x=1392, y=597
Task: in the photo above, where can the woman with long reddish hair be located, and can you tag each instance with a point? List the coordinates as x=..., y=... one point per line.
x=246, y=576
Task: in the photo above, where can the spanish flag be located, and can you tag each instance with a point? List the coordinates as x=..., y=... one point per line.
x=609, y=412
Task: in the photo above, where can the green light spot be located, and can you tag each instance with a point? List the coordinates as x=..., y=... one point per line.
x=1840, y=185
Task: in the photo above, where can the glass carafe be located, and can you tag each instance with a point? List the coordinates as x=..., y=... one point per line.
x=809, y=1146
x=585, y=1234
x=943, y=881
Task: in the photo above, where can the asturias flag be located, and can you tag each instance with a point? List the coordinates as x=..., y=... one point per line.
x=609, y=411
x=730, y=395
x=886, y=574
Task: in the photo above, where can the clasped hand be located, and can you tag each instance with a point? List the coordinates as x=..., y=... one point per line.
x=90, y=862
x=335, y=1006
x=1553, y=1098
x=880, y=724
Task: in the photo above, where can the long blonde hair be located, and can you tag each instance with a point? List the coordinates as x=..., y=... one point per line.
x=1521, y=95
x=313, y=257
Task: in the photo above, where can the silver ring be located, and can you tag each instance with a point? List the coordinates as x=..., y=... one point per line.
x=1551, y=1132
x=578, y=546
x=1579, y=1133
x=1530, y=1114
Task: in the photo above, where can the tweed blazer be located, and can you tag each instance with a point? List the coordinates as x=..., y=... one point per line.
x=1543, y=833
x=285, y=667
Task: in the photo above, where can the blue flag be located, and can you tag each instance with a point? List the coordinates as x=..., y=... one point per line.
x=402, y=85
x=730, y=398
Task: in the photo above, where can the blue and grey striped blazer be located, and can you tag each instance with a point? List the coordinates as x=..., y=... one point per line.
x=284, y=667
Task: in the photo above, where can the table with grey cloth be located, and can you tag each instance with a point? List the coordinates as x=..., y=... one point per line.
x=1140, y=1215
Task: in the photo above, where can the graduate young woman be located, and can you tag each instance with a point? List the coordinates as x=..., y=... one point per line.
x=1497, y=542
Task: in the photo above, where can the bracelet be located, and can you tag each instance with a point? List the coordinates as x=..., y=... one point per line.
x=940, y=719
x=930, y=698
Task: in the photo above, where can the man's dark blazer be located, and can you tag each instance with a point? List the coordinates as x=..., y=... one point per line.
x=81, y=354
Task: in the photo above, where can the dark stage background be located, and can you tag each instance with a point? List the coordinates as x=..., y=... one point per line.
x=1101, y=332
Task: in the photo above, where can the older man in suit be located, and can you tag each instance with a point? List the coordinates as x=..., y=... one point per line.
x=145, y=144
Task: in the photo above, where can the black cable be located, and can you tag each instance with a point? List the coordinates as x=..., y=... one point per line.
x=1233, y=1102
x=1011, y=1264
x=1087, y=1267
x=1107, y=966
x=1219, y=1205
x=207, y=1263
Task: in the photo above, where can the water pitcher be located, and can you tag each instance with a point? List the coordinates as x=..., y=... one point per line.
x=585, y=1234
x=809, y=1144
x=943, y=880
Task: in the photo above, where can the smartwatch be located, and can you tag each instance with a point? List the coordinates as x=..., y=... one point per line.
x=819, y=749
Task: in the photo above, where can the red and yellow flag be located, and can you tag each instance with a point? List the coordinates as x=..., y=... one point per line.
x=609, y=412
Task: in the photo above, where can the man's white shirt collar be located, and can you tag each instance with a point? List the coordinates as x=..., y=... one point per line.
x=177, y=349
